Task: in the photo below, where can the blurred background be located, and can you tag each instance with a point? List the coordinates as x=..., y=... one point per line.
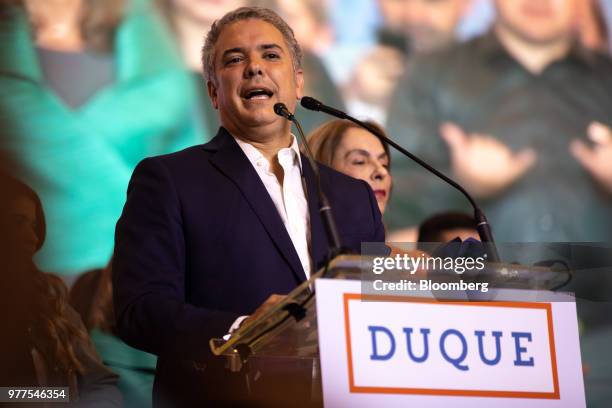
x=90, y=88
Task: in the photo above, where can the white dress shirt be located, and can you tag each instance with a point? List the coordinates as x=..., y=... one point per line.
x=289, y=199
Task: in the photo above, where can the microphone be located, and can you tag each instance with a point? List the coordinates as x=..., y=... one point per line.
x=324, y=207
x=482, y=225
x=315, y=105
x=281, y=110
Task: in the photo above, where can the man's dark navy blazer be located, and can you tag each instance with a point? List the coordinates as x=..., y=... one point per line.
x=201, y=243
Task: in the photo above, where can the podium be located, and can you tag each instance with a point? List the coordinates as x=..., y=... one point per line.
x=295, y=355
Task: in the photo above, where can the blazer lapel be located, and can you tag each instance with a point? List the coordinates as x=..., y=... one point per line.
x=232, y=162
x=318, y=238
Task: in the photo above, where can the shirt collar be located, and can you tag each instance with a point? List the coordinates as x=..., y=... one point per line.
x=255, y=156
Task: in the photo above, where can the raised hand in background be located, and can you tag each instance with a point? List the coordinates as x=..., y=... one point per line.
x=482, y=164
x=597, y=160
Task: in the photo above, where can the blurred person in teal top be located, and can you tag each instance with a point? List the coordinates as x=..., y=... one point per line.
x=91, y=296
x=87, y=90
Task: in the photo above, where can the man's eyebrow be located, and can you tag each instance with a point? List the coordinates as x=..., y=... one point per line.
x=242, y=50
x=233, y=50
x=270, y=46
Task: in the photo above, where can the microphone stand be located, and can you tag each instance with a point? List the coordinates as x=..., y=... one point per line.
x=335, y=247
x=295, y=310
x=482, y=225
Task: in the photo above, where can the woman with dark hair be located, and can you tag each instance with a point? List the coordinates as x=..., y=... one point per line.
x=43, y=342
x=88, y=88
x=354, y=151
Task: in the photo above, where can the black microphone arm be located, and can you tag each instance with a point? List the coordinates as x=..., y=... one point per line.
x=482, y=225
x=324, y=208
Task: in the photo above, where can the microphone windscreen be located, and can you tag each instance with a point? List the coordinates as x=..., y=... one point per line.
x=279, y=108
x=310, y=103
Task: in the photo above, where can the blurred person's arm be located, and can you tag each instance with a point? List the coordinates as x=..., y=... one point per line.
x=597, y=160
x=98, y=384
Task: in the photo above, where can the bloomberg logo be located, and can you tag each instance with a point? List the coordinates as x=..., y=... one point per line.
x=399, y=345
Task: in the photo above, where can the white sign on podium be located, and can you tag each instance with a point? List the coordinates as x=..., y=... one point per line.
x=398, y=351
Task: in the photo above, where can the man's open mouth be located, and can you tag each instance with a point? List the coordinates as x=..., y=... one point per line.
x=257, y=93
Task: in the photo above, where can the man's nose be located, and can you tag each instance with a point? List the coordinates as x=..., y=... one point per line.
x=253, y=68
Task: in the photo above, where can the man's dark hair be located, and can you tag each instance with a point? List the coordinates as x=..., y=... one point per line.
x=241, y=14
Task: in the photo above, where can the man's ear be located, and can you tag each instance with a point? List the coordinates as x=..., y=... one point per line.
x=299, y=83
x=212, y=93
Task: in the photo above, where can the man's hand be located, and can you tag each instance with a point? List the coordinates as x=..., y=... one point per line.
x=483, y=164
x=265, y=306
x=597, y=160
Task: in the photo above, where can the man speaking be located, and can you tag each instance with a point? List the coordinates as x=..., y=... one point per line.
x=211, y=233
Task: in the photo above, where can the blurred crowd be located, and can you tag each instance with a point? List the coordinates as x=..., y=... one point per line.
x=512, y=98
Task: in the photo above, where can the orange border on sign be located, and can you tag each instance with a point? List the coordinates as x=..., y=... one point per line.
x=431, y=391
